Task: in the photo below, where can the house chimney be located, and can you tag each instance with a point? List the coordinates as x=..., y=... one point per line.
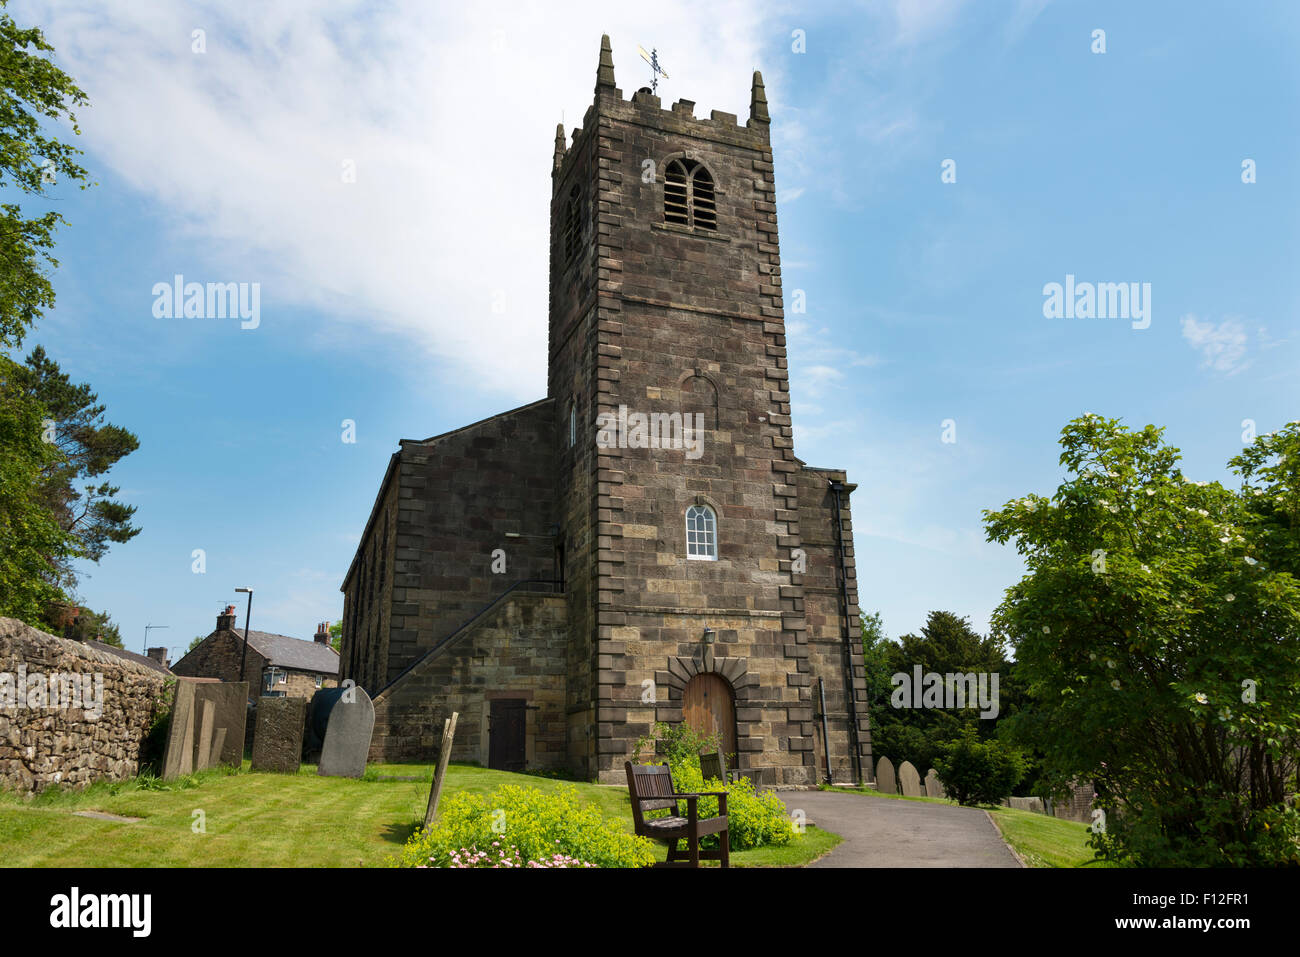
x=226, y=620
x=323, y=633
x=160, y=655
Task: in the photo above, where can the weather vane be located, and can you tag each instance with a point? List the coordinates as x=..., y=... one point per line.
x=656, y=71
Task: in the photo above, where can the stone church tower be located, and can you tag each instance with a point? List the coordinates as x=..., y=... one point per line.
x=642, y=545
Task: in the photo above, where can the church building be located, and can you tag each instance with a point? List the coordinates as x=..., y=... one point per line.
x=642, y=545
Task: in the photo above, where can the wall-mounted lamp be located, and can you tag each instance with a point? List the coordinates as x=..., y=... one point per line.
x=709, y=635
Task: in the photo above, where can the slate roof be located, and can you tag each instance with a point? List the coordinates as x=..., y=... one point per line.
x=129, y=656
x=295, y=653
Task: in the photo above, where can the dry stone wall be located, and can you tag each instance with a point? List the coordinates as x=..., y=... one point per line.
x=44, y=740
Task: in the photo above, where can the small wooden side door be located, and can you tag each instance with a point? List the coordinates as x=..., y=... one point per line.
x=507, y=734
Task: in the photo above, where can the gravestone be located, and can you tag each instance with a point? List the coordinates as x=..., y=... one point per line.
x=347, y=736
x=933, y=786
x=207, y=726
x=885, y=782
x=1034, y=804
x=910, y=779
x=178, y=758
x=277, y=745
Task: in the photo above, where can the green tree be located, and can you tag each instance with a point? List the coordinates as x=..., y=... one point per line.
x=974, y=771
x=33, y=92
x=948, y=644
x=1158, y=630
x=95, y=626
x=336, y=636
x=32, y=543
x=875, y=659
x=85, y=447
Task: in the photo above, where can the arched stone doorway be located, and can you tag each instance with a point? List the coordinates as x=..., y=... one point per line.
x=709, y=707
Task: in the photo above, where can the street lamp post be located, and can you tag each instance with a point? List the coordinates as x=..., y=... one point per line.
x=248, y=615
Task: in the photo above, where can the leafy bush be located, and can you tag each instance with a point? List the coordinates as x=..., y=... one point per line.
x=754, y=818
x=678, y=743
x=1158, y=627
x=154, y=745
x=537, y=824
x=978, y=772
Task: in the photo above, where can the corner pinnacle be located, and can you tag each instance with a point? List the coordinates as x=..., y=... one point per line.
x=605, y=72
x=559, y=146
x=758, y=101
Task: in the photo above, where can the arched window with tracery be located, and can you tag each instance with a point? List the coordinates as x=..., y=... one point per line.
x=701, y=533
x=689, y=198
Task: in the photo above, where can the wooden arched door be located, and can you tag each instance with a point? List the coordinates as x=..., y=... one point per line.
x=709, y=708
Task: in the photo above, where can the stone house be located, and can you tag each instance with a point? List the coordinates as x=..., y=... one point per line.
x=642, y=544
x=277, y=665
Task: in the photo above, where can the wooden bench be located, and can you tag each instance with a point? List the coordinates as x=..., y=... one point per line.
x=650, y=786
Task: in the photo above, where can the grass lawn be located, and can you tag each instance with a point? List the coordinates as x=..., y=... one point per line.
x=275, y=820
x=1041, y=841
x=1044, y=841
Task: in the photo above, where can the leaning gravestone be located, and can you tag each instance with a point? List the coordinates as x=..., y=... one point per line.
x=178, y=758
x=207, y=726
x=910, y=779
x=933, y=786
x=277, y=746
x=885, y=782
x=347, y=736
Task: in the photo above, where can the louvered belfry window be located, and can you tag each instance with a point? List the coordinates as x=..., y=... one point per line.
x=572, y=225
x=688, y=195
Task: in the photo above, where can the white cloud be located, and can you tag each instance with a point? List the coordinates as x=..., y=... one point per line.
x=1222, y=346
x=918, y=20
x=448, y=112
x=820, y=374
x=1022, y=19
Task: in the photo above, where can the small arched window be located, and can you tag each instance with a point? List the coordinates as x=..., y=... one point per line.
x=573, y=424
x=688, y=195
x=572, y=225
x=701, y=533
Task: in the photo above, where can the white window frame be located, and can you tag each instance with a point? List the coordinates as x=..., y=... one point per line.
x=710, y=535
x=320, y=680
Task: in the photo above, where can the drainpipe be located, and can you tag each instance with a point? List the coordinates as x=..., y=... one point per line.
x=826, y=740
x=836, y=488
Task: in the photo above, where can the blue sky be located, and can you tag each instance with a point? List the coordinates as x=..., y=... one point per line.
x=924, y=298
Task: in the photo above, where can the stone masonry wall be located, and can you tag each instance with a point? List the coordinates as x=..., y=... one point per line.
x=823, y=607
x=691, y=320
x=368, y=590
x=572, y=384
x=463, y=496
x=49, y=746
x=517, y=650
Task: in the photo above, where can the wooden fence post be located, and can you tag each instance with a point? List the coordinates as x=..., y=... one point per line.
x=448, y=732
